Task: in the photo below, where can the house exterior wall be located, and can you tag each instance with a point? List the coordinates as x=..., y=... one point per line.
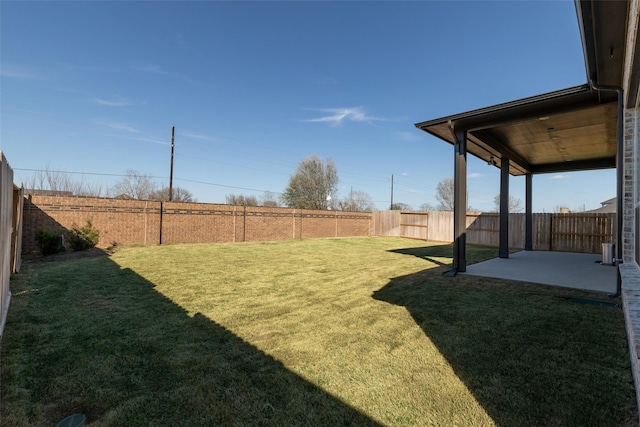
x=631, y=188
x=629, y=269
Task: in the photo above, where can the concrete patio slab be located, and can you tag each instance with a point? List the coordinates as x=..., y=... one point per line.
x=570, y=270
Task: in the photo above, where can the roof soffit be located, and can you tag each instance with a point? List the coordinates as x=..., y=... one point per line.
x=567, y=129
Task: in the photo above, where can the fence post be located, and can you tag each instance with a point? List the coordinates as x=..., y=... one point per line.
x=161, y=215
x=551, y=232
x=146, y=220
x=235, y=214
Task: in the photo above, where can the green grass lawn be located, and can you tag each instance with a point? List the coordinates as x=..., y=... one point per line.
x=361, y=331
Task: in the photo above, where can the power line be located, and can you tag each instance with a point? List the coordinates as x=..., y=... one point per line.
x=226, y=186
x=75, y=173
x=148, y=176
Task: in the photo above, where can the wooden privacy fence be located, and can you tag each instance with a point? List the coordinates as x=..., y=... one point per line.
x=573, y=232
x=10, y=234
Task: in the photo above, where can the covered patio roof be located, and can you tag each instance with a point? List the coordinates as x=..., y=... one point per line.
x=562, y=131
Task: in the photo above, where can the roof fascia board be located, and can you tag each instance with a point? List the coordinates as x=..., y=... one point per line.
x=537, y=103
x=578, y=165
x=584, y=12
x=530, y=112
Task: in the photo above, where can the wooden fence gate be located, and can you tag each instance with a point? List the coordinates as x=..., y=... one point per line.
x=414, y=225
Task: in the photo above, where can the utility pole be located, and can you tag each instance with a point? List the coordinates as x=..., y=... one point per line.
x=391, y=207
x=173, y=133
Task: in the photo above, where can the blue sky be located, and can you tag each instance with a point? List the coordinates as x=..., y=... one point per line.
x=254, y=87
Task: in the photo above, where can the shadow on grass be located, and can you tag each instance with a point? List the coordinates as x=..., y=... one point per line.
x=429, y=253
x=528, y=355
x=432, y=253
x=99, y=340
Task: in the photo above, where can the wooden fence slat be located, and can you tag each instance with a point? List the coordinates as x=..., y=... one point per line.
x=572, y=232
x=6, y=230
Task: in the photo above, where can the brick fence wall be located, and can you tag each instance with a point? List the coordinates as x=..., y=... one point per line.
x=128, y=222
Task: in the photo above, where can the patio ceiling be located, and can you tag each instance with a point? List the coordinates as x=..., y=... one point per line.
x=567, y=130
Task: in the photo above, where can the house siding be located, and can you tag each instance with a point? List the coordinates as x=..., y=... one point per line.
x=629, y=269
x=630, y=185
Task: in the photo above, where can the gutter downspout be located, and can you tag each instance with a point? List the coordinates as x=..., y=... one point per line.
x=619, y=174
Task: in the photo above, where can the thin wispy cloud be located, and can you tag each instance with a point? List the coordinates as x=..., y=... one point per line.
x=157, y=69
x=337, y=116
x=118, y=102
x=196, y=135
x=116, y=125
x=69, y=67
x=150, y=68
x=474, y=175
x=560, y=176
x=149, y=139
x=143, y=138
x=22, y=73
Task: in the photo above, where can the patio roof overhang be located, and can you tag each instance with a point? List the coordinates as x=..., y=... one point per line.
x=566, y=130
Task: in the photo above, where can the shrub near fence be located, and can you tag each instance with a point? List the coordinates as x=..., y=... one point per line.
x=147, y=222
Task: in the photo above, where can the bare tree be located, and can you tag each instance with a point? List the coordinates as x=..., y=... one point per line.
x=269, y=199
x=444, y=194
x=426, y=207
x=241, y=200
x=515, y=204
x=88, y=189
x=400, y=207
x=358, y=201
x=178, y=194
x=313, y=185
x=134, y=185
x=61, y=183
